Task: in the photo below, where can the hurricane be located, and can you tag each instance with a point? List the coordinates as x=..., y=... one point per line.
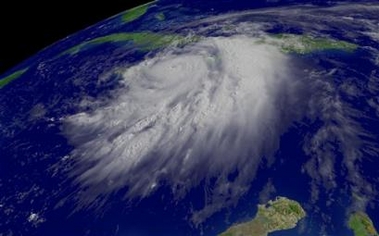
x=197, y=119
x=204, y=111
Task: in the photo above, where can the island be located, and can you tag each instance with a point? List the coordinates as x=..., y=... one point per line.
x=279, y=214
x=135, y=13
x=361, y=224
x=144, y=41
x=303, y=44
x=15, y=75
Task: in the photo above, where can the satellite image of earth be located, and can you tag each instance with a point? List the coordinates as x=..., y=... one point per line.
x=230, y=118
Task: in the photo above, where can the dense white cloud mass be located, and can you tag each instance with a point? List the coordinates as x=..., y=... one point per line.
x=185, y=116
x=193, y=127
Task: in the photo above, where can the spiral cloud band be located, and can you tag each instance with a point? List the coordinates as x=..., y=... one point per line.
x=184, y=116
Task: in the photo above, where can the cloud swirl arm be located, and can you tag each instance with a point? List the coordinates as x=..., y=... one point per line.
x=184, y=116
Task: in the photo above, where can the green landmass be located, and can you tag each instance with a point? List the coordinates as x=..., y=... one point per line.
x=362, y=225
x=288, y=43
x=279, y=214
x=7, y=79
x=303, y=44
x=135, y=13
x=143, y=40
x=160, y=16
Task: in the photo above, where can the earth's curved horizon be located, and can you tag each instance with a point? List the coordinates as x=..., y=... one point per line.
x=197, y=119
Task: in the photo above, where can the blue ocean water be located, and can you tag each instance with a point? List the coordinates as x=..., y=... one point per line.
x=31, y=150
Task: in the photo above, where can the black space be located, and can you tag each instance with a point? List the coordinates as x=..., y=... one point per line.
x=29, y=26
